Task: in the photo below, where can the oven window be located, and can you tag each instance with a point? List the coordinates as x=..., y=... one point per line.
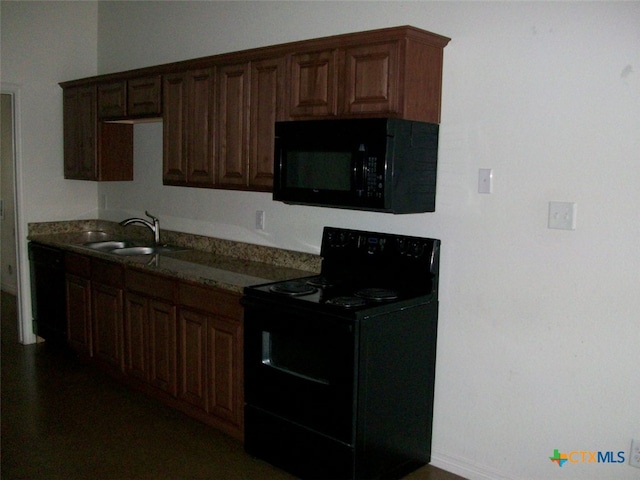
x=319, y=170
x=303, y=357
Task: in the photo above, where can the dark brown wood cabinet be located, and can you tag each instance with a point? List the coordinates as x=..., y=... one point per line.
x=313, y=86
x=233, y=125
x=78, y=291
x=176, y=340
x=188, y=128
x=219, y=111
x=387, y=73
x=266, y=107
x=130, y=99
x=210, y=355
x=371, y=79
x=107, y=281
x=150, y=330
x=94, y=150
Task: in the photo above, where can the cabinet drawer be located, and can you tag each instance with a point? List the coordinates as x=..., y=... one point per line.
x=107, y=273
x=210, y=300
x=78, y=265
x=151, y=285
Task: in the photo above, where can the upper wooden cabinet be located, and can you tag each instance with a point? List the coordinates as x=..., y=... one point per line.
x=219, y=111
x=134, y=98
x=313, y=84
x=390, y=73
x=94, y=150
x=188, y=135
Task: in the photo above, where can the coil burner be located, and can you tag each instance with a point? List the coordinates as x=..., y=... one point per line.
x=377, y=294
x=293, y=288
x=347, y=302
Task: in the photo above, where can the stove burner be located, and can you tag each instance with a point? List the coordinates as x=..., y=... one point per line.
x=347, y=302
x=320, y=281
x=377, y=294
x=293, y=288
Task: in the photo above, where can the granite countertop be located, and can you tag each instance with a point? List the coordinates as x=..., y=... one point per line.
x=215, y=262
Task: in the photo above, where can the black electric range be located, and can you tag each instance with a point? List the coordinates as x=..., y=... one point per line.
x=340, y=366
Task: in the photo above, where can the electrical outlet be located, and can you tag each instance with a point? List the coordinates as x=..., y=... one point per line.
x=260, y=220
x=634, y=455
x=562, y=215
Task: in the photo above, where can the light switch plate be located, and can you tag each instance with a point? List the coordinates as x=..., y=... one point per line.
x=562, y=215
x=485, y=180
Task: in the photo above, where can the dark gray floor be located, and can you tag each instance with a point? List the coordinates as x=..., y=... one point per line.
x=65, y=420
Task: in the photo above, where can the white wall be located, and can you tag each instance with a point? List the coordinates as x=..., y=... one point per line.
x=42, y=44
x=538, y=333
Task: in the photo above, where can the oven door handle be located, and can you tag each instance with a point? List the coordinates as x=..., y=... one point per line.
x=320, y=381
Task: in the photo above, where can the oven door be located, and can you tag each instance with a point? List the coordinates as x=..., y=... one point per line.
x=299, y=366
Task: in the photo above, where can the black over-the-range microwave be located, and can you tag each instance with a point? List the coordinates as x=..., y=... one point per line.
x=378, y=164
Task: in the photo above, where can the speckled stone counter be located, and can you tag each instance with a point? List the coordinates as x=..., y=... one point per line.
x=211, y=261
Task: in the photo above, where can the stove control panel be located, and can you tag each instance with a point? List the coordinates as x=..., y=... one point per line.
x=358, y=247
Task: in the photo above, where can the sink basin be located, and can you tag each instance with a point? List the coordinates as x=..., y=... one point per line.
x=129, y=251
x=108, y=245
x=141, y=250
x=130, y=248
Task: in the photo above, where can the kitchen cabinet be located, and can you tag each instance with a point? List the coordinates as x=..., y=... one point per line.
x=78, y=294
x=219, y=111
x=210, y=354
x=233, y=125
x=393, y=73
x=107, y=282
x=266, y=107
x=178, y=341
x=150, y=330
x=313, y=84
x=188, y=135
x=130, y=99
x=94, y=150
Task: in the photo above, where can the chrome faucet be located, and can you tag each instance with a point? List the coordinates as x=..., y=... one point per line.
x=154, y=227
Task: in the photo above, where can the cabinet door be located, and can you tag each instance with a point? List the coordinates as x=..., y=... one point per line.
x=174, y=129
x=225, y=393
x=107, y=307
x=200, y=128
x=162, y=346
x=80, y=131
x=313, y=84
x=79, y=314
x=112, y=99
x=267, y=92
x=87, y=133
x=371, y=79
x=144, y=96
x=192, y=358
x=135, y=336
x=70, y=133
x=188, y=110
x=233, y=125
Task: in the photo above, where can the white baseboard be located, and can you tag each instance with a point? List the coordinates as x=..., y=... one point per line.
x=465, y=469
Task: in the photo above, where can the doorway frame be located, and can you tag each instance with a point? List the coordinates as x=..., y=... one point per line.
x=25, y=324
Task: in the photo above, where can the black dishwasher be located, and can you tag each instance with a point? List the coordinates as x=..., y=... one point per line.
x=48, y=295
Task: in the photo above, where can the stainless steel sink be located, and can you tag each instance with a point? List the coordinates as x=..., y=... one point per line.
x=108, y=245
x=142, y=250
x=130, y=248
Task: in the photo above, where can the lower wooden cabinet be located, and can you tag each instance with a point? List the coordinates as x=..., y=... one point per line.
x=78, y=291
x=107, y=310
x=150, y=341
x=210, y=354
x=176, y=340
